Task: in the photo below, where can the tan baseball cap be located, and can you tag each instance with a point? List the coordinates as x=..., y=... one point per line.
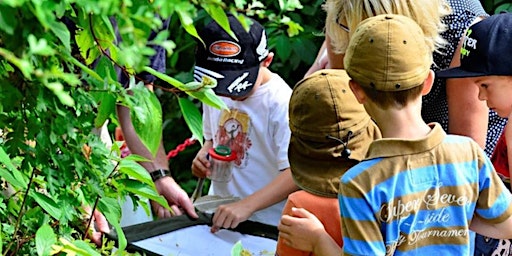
x=323, y=105
x=388, y=53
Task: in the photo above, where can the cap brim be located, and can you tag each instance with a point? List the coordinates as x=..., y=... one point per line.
x=232, y=83
x=314, y=170
x=457, y=72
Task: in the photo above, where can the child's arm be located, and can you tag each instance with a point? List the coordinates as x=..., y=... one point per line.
x=230, y=215
x=501, y=230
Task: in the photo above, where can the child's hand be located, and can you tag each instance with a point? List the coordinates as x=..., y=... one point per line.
x=201, y=165
x=230, y=215
x=301, y=230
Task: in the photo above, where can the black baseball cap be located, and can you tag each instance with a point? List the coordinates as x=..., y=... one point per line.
x=486, y=50
x=233, y=62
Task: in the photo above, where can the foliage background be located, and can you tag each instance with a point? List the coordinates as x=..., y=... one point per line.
x=53, y=97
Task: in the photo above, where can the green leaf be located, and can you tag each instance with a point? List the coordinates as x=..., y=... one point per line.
x=208, y=97
x=192, y=117
x=166, y=78
x=187, y=22
x=8, y=21
x=236, y=250
x=136, y=158
x=107, y=106
x=8, y=174
x=61, y=31
x=58, y=89
x=39, y=47
x=144, y=190
x=85, y=248
x=111, y=209
x=45, y=238
x=219, y=15
x=147, y=118
x=504, y=8
x=135, y=170
x=25, y=67
x=283, y=47
x=47, y=203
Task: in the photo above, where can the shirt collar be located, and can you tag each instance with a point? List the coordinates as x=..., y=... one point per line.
x=397, y=147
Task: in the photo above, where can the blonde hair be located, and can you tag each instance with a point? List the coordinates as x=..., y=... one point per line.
x=427, y=13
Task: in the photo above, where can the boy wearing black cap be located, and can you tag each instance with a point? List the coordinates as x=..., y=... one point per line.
x=255, y=127
x=418, y=190
x=486, y=59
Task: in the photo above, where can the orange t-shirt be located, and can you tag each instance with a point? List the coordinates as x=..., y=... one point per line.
x=327, y=210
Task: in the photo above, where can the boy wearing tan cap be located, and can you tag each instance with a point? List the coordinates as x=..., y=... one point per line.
x=418, y=190
x=330, y=133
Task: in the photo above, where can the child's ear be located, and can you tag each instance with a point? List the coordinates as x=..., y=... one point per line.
x=268, y=60
x=427, y=85
x=358, y=91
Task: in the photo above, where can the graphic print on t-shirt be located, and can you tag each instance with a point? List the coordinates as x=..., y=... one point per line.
x=234, y=127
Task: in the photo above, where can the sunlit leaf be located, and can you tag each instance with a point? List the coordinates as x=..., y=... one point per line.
x=144, y=190
x=135, y=170
x=111, y=209
x=208, y=97
x=147, y=118
x=61, y=31
x=7, y=174
x=47, y=203
x=45, y=238
x=236, y=250
x=192, y=117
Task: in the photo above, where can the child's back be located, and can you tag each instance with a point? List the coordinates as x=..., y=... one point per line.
x=419, y=190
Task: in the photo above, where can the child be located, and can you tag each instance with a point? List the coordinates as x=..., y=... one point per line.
x=418, y=190
x=255, y=127
x=485, y=60
x=331, y=132
x=486, y=57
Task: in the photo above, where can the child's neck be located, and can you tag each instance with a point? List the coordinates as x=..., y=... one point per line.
x=405, y=123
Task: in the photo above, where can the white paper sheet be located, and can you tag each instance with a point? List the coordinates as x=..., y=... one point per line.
x=198, y=240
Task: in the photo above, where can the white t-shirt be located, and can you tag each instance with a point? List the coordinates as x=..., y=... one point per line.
x=257, y=129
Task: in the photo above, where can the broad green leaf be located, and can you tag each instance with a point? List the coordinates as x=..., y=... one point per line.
x=8, y=21
x=45, y=238
x=144, y=190
x=8, y=174
x=87, y=46
x=85, y=248
x=111, y=209
x=135, y=170
x=219, y=15
x=283, y=47
x=61, y=31
x=107, y=101
x=107, y=106
x=187, y=21
x=47, y=203
x=147, y=118
x=192, y=117
x=208, y=97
